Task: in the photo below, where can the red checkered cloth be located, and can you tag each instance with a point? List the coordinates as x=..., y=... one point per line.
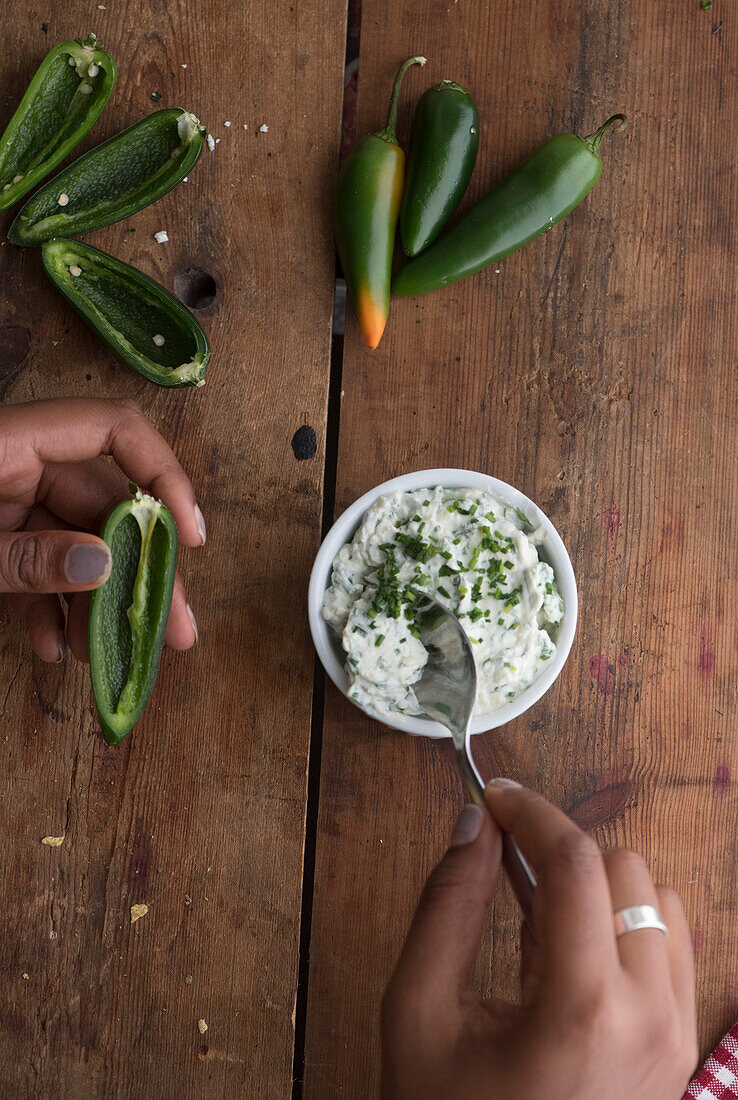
x=718, y=1078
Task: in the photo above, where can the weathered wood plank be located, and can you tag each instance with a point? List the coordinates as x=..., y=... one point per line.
x=200, y=814
x=596, y=371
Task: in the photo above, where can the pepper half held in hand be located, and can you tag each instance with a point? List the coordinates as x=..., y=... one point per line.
x=129, y=614
x=61, y=104
x=444, y=140
x=147, y=326
x=118, y=178
x=537, y=194
x=367, y=207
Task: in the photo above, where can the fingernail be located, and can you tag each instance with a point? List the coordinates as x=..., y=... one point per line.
x=61, y=645
x=500, y=781
x=200, y=521
x=468, y=826
x=193, y=621
x=87, y=563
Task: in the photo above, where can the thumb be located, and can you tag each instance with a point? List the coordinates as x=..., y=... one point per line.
x=52, y=561
x=444, y=939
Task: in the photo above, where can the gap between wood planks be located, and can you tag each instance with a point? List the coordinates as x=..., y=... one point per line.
x=316, y=736
x=353, y=18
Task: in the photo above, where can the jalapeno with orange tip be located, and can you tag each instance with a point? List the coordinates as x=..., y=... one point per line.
x=367, y=207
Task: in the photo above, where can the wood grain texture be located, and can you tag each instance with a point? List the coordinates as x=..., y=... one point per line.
x=200, y=813
x=596, y=371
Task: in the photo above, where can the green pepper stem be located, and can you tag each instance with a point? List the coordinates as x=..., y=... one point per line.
x=389, y=133
x=593, y=140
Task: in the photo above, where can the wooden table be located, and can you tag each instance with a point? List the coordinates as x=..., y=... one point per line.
x=280, y=838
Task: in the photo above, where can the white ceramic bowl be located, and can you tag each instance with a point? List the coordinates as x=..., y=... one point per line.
x=551, y=550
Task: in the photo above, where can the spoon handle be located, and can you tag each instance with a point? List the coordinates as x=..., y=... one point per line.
x=516, y=867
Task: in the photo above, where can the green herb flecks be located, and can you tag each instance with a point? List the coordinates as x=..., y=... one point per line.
x=387, y=596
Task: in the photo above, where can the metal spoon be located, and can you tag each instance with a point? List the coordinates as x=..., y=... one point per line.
x=447, y=692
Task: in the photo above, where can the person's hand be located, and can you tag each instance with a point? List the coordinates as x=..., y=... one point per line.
x=598, y=1016
x=55, y=487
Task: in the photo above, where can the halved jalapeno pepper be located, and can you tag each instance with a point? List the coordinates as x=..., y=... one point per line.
x=60, y=106
x=118, y=178
x=146, y=325
x=129, y=614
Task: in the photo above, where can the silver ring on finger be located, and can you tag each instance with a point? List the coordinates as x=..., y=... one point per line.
x=638, y=916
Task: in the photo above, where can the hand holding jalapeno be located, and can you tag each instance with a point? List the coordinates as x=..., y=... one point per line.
x=55, y=490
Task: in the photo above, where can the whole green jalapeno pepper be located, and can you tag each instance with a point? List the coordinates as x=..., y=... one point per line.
x=444, y=140
x=60, y=106
x=367, y=206
x=129, y=614
x=537, y=194
x=140, y=320
x=118, y=178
